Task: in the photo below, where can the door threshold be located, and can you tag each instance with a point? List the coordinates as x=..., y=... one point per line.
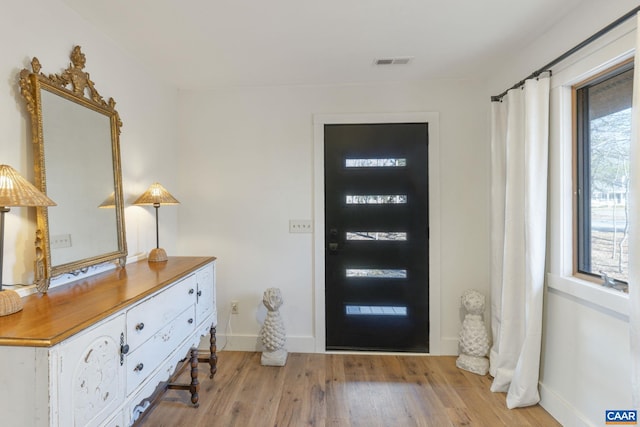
x=377, y=353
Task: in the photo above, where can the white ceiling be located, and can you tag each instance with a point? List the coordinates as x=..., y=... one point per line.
x=209, y=43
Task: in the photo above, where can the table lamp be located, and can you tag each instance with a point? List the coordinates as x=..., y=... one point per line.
x=156, y=195
x=15, y=191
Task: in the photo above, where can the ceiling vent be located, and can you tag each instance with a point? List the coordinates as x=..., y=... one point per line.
x=404, y=60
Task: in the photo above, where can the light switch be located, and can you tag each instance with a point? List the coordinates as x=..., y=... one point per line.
x=60, y=241
x=300, y=226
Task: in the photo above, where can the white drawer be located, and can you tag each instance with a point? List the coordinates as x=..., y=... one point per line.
x=148, y=317
x=142, y=362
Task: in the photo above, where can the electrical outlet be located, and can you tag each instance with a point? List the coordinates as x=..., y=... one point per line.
x=234, y=307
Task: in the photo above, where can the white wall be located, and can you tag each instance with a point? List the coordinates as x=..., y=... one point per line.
x=246, y=168
x=49, y=30
x=586, y=364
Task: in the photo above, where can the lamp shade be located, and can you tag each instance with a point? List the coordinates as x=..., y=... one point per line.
x=17, y=191
x=156, y=194
x=109, y=202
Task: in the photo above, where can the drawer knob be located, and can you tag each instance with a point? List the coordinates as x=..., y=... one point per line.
x=190, y=321
x=191, y=291
x=139, y=367
x=140, y=326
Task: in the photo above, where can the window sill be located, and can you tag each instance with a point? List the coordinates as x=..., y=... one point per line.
x=591, y=293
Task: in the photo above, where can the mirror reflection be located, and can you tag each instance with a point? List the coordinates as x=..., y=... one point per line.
x=80, y=228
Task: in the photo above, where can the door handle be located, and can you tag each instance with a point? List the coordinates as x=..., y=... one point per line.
x=333, y=239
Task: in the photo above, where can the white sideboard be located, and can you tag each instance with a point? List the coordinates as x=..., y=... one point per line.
x=95, y=351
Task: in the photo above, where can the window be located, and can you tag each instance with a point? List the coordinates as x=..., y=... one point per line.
x=394, y=236
x=374, y=273
x=368, y=310
x=376, y=163
x=602, y=111
x=376, y=199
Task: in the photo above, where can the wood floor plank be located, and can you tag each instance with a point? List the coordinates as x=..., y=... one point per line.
x=337, y=393
x=302, y=400
x=342, y=390
x=259, y=392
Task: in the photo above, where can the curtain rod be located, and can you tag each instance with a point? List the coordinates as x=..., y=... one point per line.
x=570, y=52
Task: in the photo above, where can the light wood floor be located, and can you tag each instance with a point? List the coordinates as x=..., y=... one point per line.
x=342, y=390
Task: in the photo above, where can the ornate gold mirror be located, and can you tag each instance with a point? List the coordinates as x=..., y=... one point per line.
x=77, y=164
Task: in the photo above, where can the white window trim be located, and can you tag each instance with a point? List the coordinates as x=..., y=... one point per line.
x=435, y=344
x=613, y=48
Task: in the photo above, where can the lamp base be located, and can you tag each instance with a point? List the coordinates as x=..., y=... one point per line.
x=10, y=302
x=157, y=255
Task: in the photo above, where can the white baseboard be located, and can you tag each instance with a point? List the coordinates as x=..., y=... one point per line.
x=565, y=413
x=300, y=344
x=295, y=344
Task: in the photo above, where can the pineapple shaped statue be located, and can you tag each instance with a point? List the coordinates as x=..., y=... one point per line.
x=474, y=340
x=272, y=333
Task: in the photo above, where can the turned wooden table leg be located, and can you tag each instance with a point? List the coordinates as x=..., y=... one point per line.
x=195, y=384
x=213, y=356
x=212, y=359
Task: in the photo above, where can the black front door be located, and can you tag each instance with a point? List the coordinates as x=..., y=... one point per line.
x=376, y=237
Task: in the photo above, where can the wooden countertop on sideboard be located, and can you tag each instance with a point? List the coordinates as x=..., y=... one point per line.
x=65, y=310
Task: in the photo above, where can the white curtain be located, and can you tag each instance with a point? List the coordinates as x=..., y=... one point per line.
x=520, y=135
x=634, y=231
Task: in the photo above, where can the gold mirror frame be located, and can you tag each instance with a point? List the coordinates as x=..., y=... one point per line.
x=73, y=85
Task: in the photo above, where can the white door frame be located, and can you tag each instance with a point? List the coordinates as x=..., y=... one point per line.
x=434, y=214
